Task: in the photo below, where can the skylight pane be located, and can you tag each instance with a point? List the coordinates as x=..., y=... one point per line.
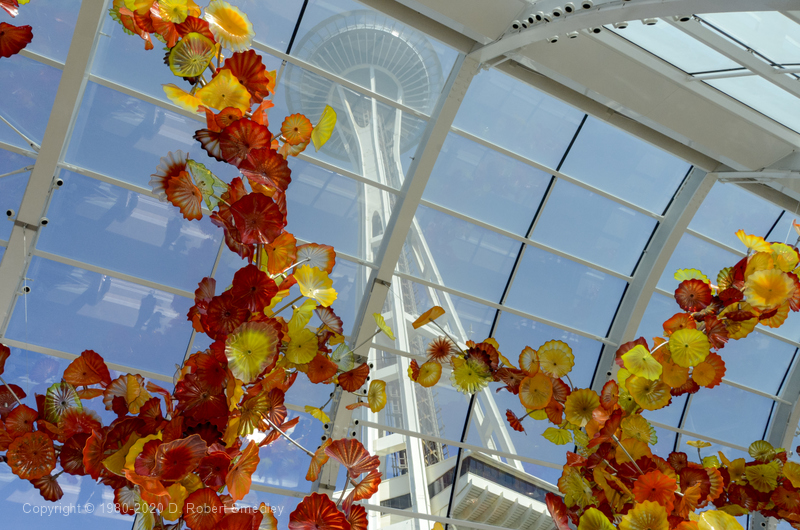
x=514, y=333
x=273, y=20
x=461, y=255
x=517, y=117
x=769, y=33
x=728, y=414
x=325, y=207
x=125, y=138
x=73, y=309
x=676, y=47
x=482, y=183
x=754, y=215
x=694, y=253
x=623, y=165
x=566, y=292
x=593, y=228
x=53, y=23
x=744, y=362
x=783, y=232
x=12, y=187
x=104, y=225
x=374, y=51
x=282, y=465
x=29, y=89
x=763, y=96
x=665, y=444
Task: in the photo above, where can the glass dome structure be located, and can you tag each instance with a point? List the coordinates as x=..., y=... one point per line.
x=539, y=183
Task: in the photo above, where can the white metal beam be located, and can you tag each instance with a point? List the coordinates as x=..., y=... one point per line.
x=663, y=243
x=619, y=10
x=59, y=126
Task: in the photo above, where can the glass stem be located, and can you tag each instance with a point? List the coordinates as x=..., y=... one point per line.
x=306, y=451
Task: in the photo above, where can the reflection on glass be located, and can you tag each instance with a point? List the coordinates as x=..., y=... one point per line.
x=770, y=33
x=53, y=23
x=482, y=183
x=516, y=116
x=125, y=138
x=12, y=187
x=566, y=292
x=621, y=164
x=677, y=48
x=72, y=309
x=391, y=58
x=754, y=215
x=104, y=225
x=593, y=228
x=29, y=89
x=765, y=97
x=729, y=414
x=458, y=254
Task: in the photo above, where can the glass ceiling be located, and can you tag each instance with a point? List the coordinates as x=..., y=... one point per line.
x=525, y=187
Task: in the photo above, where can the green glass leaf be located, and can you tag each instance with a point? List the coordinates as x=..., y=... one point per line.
x=557, y=436
x=190, y=57
x=690, y=274
x=344, y=358
x=207, y=182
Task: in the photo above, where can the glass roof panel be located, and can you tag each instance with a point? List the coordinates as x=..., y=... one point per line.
x=769, y=33
x=728, y=414
x=29, y=89
x=517, y=117
x=744, y=362
x=73, y=309
x=53, y=23
x=783, y=231
x=566, y=292
x=479, y=182
x=352, y=146
x=283, y=465
x=368, y=48
x=763, y=96
x=325, y=207
x=514, y=333
x=594, y=228
x=125, y=138
x=618, y=163
x=659, y=309
x=753, y=214
x=12, y=187
x=694, y=253
x=273, y=20
x=676, y=47
x=461, y=255
x=104, y=225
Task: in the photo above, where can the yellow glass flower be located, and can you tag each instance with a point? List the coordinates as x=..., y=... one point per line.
x=173, y=10
x=250, y=349
x=637, y=427
x=225, y=91
x=634, y=447
x=761, y=450
x=376, y=395
x=689, y=347
x=647, y=515
x=580, y=406
x=556, y=358
x=181, y=98
x=302, y=346
x=317, y=414
x=763, y=477
x=717, y=520
x=698, y=444
x=324, y=128
x=777, y=320
x=314, y=283
x=785, y=257
x=768, y=289
x=791, y=470
x=557, y=436
x=594, y=519
x=469, y=377
x=674, y=375
x=535, y=391
x=429, y=374
x=639, y=362
x=191, y=55
x=758, y=262
x=575, y=488
x=428, y=316
x=229, y=25
x=647, y=393
x=379, y=320
x=752, y=242
x=529, y=361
